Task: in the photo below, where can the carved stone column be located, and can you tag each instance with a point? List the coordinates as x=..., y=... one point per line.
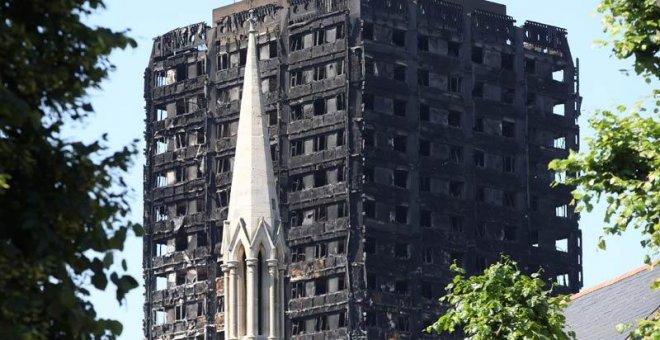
x=272, y=313
x=232, y=323
x=251, y=299
x=225, y=298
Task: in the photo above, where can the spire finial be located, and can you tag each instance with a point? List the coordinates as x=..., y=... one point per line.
x=252, y=19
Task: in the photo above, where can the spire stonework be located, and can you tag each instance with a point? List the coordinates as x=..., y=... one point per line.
x=252, y=244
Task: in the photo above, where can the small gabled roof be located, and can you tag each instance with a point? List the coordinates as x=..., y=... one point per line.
x=595, y=312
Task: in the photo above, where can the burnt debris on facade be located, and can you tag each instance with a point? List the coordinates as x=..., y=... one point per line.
x=404, y=134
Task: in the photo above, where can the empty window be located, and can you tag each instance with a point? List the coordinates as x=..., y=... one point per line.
x=319, y=107
x=370, y=245
x=530, y=66
x=531, y=99
x=425, y=219
x=428, y=255
x=559, y=109
x=454, y=84
x=563, y=280
x=427, y=291
x=297, y=254
x=479, y=159
x=369, y=208
x=400, y=72
x=424, y=112
x=424, y=184
x=399, y=37
x=401, y=286
x=296, y=42
x=223, y=61
x=297, y=290
x=423, y=42
x=297, y=147
x=160, y=78
x=367, y=31
x=401, y=214
x=423, y=77
x=456, y=189
x=478, y=125
x=320, y=178
x=509, y=199
x=478, y=89
x=161, y=113
x=400, y=178
x=161, y=180
x=368, y=137
x=319, y=37
x=456, y=154
x=508, y=95
x=242, y=56
x=160, y=317
x=508, y=129
x=561, y=211
x=181, y=243
x=368, y=101
x=454, y=118
x=510, y=233
x=400, y=108
x=558, y=75
x=562, y=245
x=534, y=238
x=424, y=147
x=509, y=164
x=320, y=250
x=180, y=107
x=456, y=223
x=320, y=143
x=477, y=55
x=224, y=165
x=559, y=143
x=320, y=286
x=160, y=213
x=453, y=49
x=480, y=230
x=402, y=324
x=161, y=283
x=401, y=250
x=480, y=194
x=480, y=263
x=507, y=61
x=399, y=143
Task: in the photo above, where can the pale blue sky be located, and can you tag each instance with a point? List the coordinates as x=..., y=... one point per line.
x=120, y=113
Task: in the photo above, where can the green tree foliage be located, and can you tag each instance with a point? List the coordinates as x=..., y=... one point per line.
x=62, y=202
x=622, y=167
x=634, y=26
x=502, y=303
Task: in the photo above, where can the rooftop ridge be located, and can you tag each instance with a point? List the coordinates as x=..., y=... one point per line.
x=614, y=280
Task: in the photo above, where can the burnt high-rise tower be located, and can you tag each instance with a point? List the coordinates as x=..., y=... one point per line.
x=404, y=135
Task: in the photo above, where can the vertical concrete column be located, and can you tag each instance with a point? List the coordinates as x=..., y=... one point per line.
x=272, y=313
x=232, y=323
x=251, y=299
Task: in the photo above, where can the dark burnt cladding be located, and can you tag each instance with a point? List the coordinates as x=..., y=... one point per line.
x=405, y=134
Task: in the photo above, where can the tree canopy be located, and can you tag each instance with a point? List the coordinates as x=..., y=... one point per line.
x=502, y=303
x=62, y=201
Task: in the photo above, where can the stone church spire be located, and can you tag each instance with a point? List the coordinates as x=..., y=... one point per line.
x=252, y=244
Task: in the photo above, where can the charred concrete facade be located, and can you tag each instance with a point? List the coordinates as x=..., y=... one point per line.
x=405, y=135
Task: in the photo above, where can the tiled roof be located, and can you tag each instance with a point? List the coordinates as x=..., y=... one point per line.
x=595, y=312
